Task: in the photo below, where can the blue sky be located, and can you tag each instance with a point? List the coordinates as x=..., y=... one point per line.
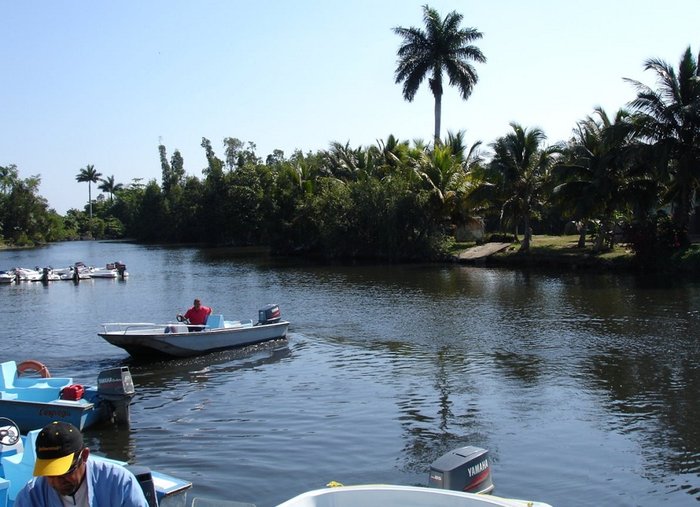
x=104, y=83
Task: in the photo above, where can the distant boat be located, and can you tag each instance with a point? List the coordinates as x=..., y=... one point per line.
x=77, y=272
x=103, y=273
x=27, y=274
x=111, y=270
x=183, y=340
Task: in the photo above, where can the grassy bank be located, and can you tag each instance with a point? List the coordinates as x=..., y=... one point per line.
x=560, y=251
x=563, y=251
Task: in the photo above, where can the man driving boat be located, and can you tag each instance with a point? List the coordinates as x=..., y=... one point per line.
x=197, y=315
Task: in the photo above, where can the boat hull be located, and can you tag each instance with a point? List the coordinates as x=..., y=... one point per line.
x=158, y=342
x=400, y=496
x=30, y=415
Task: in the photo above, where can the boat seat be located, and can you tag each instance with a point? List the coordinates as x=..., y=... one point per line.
x=215, y=321
x=18, y=469
x=8, y=372
x=238, y=323
x=9, y=379
x=43, y=383
x=30, y=394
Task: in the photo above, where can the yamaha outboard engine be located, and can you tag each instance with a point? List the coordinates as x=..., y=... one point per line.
x=270, y=314
x=464, y=469
x=116, y=387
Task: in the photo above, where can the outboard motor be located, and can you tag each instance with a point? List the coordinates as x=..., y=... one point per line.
x=117, y=387
x=270, y=314
x=145, y=478
x=121, y=269
x=464, y=469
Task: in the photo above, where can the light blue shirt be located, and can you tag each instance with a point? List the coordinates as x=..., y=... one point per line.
x=109, y=485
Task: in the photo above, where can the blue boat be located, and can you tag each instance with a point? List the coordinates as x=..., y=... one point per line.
x=33, y=402
x=17, y=456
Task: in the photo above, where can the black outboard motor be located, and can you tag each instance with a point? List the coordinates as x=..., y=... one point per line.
x=121, y=269
x=117, y=388
x=270, y=314
x=464, y=469
x=145, y=478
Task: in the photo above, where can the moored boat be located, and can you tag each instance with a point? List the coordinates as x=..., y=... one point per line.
x=33, y=402
x=183, y=340
x=27, y=274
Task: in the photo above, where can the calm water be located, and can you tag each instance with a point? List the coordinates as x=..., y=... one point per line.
x=585, y=388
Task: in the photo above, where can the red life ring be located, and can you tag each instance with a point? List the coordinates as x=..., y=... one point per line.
x=32, y=365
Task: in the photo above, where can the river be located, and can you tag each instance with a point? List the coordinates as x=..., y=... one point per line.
x=584, y=387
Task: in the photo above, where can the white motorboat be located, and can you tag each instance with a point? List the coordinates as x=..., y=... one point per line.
x=77, y=272
x=400, y=496
x=49, y=275
x=103, y=273
x=182, y=340
x=28, y=275
x=6, y=277
x=111, y=270
x=459, y=478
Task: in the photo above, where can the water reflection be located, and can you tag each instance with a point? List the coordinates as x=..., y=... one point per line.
x=388, y=367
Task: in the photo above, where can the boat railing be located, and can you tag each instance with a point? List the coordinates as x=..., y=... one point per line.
x=114, y=327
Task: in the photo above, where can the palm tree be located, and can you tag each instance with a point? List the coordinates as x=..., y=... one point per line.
x=108, y=185
x=595, y=179
x=443, y=46
x=669, y=119
x=523, y=166
x=90, y=175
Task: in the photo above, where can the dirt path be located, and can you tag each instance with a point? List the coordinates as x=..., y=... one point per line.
x=482, y=251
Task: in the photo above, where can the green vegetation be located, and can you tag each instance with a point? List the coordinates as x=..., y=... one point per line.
x=623, y=188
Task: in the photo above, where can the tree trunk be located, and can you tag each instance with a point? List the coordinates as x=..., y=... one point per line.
x=90, y=207
x=436, y=88
x=438, y=117
x=582, y=227
x=525, y=247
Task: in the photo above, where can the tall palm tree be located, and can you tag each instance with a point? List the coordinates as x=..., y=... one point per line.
x=524, y=167
x=108, y=185
x=443, y=46
x=90, y=175
x=669, y=119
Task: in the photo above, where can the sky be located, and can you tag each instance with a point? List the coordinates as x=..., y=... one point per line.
x=104, y=83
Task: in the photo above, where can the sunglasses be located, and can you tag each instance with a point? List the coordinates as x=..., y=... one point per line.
x=77, y=461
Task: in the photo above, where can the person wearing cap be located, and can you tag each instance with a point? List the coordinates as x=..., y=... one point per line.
x=65, y=475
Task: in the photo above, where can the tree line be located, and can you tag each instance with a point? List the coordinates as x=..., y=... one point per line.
x=628, y=176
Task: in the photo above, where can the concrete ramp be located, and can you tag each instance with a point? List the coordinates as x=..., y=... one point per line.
x=482, y=251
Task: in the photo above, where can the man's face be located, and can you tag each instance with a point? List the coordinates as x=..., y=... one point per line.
x=68, y=483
